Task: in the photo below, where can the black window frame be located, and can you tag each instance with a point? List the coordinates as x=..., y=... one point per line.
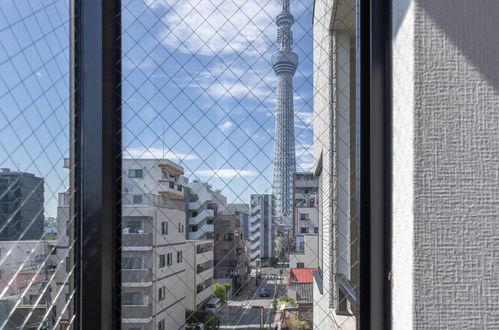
x=96, y=124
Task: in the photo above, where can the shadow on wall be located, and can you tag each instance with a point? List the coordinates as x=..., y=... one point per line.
x=472, y=27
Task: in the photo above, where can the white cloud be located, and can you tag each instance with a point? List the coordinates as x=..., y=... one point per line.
x=157, y=153
x=226, y=126
x=225, y=173
x=218, y=26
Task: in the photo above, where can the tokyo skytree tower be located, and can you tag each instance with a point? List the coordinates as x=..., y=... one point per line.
x=284, y=62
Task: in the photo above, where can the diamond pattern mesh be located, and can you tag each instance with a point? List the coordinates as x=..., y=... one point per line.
x=199, y=127
x=36, y=264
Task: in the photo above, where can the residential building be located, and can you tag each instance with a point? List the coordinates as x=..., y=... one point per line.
x=335, y=128
x=305, y=206
x=27, y=301
x=204, y=204
x=198, y=273
x=231, y=256
x=306, y=255
x=300, y=287
x=244, y=212
x=153, y=265
x=21, y=206
x=261, y=228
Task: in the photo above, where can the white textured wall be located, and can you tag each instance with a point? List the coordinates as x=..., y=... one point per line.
x=454, y=158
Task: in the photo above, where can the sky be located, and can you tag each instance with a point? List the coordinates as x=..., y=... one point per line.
x=198, y=89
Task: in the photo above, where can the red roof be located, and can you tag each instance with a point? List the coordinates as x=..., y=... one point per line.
x=19, y=282
x=302, y=275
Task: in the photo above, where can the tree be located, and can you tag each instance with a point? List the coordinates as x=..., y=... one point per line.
x=212, y=323
x=220, y=291
x=287, y=300
x=192, y=317
x=273, y=261
x=274, y=303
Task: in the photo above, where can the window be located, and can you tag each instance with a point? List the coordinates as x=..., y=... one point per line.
x=181, y=227
x=228, y=237
x=304, y=230
x=164, y=228
x=161, y=293
x=300, y=265
x=162, y=261
x=316, y=230
x=161, y=325
x=194, y=214
x=304, y=216
x=137, y=199
x=169, y=259
x=225, y=223
x=135, y=173
x=179, y=256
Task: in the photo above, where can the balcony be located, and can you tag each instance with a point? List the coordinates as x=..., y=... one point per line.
x=136, y=311
x=170, y=189
x=137, y=239
x=136, y=275
x=201, y=231
x=201, y=216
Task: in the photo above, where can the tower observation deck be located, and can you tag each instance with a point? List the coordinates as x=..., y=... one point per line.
x=284, y=63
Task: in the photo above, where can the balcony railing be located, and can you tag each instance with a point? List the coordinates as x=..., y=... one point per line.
x=136, y=275
x=136, y=311
x=137, y=239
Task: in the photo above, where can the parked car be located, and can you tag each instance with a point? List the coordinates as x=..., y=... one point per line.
x=265, y=292
x=212, y=305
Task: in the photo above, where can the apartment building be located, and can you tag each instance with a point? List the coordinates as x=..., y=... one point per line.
x=199, y=273
x=153, y=265
x=204, y=203
x=335, y=132
x=21, y=206
x=261, y=228
x=231, y=257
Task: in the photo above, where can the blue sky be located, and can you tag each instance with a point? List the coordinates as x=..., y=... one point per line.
x=198, y=84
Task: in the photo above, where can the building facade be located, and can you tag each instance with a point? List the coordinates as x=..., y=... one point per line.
x=261, y=228
x=199, y=273
x=21, y=206
x=204, y=203
x=231, y=257
x=154, y=238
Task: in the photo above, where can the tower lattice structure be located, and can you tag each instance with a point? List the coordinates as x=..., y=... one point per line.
x=284, y=63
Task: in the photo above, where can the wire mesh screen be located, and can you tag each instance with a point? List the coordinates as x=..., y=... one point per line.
x=36, y=229
x=239, y=164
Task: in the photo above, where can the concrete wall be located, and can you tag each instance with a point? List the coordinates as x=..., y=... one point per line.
x=446, y=182
x=309, y=257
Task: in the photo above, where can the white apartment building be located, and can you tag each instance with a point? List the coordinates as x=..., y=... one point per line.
x=306, y=256
x=260, y=228
x=204, y=204
x=199, y=273
x=153, y=265
x=305, y=210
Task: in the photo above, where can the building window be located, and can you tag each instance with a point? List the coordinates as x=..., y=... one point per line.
x=300, y=265
x=137, y=199
x=161, y=294
x=304, y=230
x=162, y=261
x=179, y=256
x=169, y=258
x=135, y=173
x=304, y=216
x=228, y=237
x=161, y=325
x=164, y=228
x=180, y=227
x=225, y=223
x=194, y=214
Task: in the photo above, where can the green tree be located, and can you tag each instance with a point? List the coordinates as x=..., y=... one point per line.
x=220, y=291
x=192, y=317
x=273, y=261
x=287, y=300
x=274, y=303
x=212, y=323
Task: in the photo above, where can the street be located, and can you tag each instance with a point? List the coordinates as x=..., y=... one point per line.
x=240, y=312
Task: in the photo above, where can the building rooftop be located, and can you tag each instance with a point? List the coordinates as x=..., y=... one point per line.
x=302, y=275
